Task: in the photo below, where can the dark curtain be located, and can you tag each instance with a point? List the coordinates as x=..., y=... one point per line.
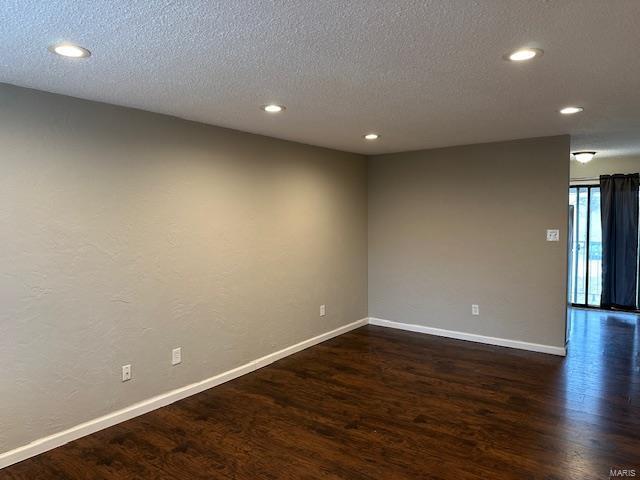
x=619, y=211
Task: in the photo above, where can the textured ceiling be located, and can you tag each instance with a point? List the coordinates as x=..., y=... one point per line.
x=422, y=73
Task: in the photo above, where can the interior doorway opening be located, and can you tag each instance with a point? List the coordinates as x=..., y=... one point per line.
x=585, y=251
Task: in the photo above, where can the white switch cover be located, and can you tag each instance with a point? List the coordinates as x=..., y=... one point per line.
x=323, y=311
x=553, y=235
x=126, y=373
x=176, y=356
x=475, y=310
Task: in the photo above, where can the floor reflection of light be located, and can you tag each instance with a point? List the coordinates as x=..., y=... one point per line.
x=587, y=377
x=583, y=380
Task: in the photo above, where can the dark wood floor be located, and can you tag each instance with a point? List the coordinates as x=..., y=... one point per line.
x=383, y=404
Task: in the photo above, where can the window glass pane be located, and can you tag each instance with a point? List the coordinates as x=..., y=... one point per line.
x=571, y=286
x=595, y=249
x=580, y=253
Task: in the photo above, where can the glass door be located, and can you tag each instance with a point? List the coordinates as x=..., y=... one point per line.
x=585, y=270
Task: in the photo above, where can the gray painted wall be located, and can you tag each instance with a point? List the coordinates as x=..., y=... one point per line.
x=125, y=234
x=467, y=225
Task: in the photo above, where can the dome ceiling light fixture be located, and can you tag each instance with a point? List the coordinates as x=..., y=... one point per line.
x=584, y=156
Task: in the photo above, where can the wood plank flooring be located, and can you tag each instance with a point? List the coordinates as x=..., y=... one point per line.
x=385, y=404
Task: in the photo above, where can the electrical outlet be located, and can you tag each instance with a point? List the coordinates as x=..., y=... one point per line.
x=323, y=311
x=126, y=373
x=475, y=309
x=176, y=356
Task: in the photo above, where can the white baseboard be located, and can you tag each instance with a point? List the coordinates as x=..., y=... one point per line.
x=57, y=439
x=471, y=337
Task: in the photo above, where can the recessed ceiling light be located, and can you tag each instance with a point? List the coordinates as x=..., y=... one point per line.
x=69, y=50
x=584, y=157
x=273, y=108
x=571, y=110
x=371, y=136
x=524, y=54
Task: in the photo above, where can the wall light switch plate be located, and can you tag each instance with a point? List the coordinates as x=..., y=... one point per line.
x=176, y=356
x=323, y=310
x=553, y=235
x=126, y=373
x=475, y=310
